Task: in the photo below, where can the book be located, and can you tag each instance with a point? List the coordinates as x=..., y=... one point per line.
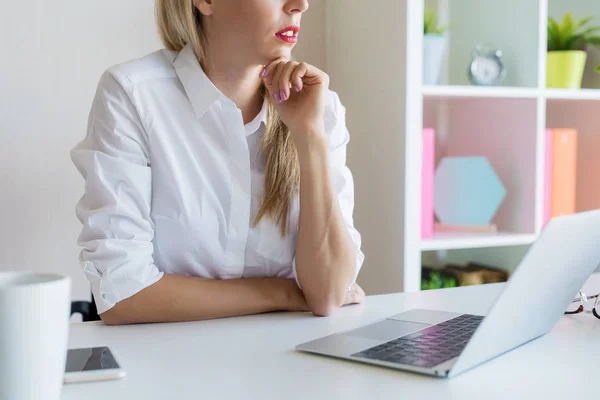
x=564, y=172
x=427, y=183
x=547, y=176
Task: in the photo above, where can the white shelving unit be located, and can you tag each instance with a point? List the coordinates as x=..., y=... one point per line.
x=374, y=58
x=454, y=241
x=563, y=94
x=449, y=91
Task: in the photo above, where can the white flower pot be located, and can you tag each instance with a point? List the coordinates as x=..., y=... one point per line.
x=434, y=48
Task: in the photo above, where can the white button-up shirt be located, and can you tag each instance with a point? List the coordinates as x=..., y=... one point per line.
x=174, y=180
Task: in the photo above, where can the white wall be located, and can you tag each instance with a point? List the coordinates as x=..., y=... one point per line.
x=53, y=53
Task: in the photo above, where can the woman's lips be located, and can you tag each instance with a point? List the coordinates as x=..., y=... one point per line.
x=289, y=34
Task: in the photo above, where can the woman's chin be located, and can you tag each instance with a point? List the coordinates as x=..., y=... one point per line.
x=285, y=52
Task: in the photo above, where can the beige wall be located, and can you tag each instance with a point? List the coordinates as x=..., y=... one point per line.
x=311, y=44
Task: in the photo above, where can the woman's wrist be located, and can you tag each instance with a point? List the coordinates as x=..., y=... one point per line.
x=311, y=144
x=293, y=297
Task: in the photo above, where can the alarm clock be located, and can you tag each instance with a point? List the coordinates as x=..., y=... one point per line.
x=487, y=68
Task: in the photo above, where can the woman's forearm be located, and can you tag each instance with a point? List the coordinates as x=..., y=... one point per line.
x=176, y=298
x=325, y=257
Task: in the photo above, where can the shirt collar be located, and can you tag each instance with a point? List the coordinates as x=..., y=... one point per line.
x=261, y=118
x=200, y=90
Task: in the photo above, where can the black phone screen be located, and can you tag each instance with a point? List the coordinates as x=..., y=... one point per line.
x=90, y=359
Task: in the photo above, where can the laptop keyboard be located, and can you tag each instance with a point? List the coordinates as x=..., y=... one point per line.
x=428, y=347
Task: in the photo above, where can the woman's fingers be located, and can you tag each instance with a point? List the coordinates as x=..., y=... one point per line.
x=296, y=78
x=268, y=69
x=284, y=79
x=359, y=294
x=269, y=73
x=276, y=90
x=283, y=76
x=355, y=295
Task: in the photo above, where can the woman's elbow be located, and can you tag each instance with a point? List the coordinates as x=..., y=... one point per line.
x=110, y=319
x=116, y=316
x=325, y=305
x=324, y=310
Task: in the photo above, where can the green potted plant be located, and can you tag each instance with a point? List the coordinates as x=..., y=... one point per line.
x=567, y=44
x=432, y=278
x=434, y=47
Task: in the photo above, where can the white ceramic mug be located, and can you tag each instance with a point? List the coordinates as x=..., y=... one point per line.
x=34, y=332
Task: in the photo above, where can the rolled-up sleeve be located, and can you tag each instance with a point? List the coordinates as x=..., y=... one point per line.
x=342, y=179
x=117, y=233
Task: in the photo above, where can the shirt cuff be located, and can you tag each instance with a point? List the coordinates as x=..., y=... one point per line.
x=108, y=290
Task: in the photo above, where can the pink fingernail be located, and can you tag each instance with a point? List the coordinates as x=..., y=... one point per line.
x=263, y=72
x=277, y=98
x=296, y=88
x=282, y=95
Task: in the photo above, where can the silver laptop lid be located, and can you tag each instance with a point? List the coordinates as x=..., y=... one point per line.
x=536, y=296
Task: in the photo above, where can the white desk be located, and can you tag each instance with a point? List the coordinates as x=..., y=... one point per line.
x=253, y=358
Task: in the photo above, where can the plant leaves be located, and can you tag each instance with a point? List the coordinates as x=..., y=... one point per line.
x=584, y=21
x=591, y=31
x=568, y=31
x=570, y=34
x=430, y=23
x=595, y=40
x=553, y=34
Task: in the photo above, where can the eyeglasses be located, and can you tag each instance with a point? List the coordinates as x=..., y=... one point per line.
x=583, y=304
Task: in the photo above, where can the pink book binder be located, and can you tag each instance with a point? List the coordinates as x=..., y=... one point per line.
x=427, y=179
x=547, y=177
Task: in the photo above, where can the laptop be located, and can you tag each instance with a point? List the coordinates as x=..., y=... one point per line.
x=445, y=344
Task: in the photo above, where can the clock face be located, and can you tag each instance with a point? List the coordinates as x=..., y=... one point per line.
x=486, y=71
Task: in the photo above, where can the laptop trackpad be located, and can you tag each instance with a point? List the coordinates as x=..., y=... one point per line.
x=386, y=330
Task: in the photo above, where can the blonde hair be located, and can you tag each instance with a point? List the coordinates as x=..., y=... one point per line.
x=179, y=24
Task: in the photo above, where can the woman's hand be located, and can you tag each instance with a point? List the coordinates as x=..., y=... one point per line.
x=355, y=295
x=299, y=92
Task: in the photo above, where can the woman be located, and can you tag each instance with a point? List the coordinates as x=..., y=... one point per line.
x=215, y=173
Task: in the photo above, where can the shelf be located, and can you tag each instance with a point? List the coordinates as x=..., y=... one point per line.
x=567, y=94
x=450, y=241
x=450, y=91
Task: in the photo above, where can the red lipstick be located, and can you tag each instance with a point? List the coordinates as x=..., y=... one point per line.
x=289, y=34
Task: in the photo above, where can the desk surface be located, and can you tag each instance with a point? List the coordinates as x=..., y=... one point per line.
x=253, y=357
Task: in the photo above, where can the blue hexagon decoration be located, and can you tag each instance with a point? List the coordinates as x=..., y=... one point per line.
x=467, y=191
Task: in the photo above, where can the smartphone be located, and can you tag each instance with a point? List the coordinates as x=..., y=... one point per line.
x=91, y=364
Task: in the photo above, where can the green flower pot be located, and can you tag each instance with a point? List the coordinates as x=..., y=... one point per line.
x=565, y=69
